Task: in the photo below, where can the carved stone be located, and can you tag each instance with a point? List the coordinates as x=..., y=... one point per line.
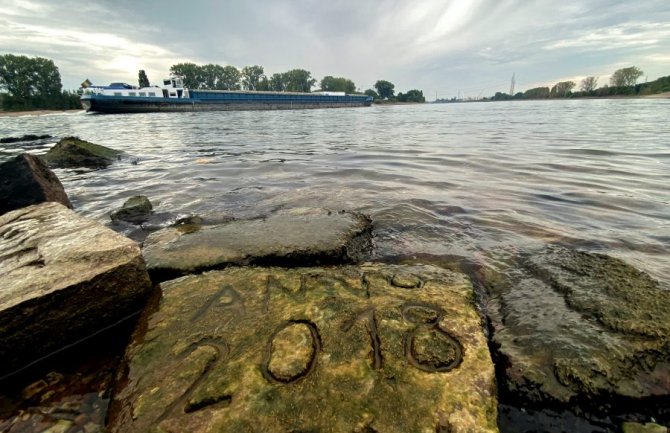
x=309, y=349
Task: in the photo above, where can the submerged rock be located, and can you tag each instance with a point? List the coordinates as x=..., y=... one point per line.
x=26, y=137
x=302, y=237
x=73, y=152
x=632, y=427
x=135, y=210
x=581, y=328
x=27, y=180
x=309, y=349
x=62, y=277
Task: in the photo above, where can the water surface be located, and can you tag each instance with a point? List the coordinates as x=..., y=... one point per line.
x=478, y=181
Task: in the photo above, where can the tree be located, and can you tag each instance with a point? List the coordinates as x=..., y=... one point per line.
x=209, y=76
x=537, y=93
x=143, y=79
x=277, y=82
x=384, y=89
x=372, y=93
x=24, y=77
x=190, y=72
x=561, y=89
x=337, y=84
x=589, y=84
x=625, y=77
x=298, y=80
x=411, y=96
x=230, y=78
x=30, y=82
x=252, y=76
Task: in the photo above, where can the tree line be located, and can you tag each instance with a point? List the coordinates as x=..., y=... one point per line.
x=33, y=83
x=623, y=82
x=217, y=77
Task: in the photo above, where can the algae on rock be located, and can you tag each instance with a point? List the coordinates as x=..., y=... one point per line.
x=75, y=152
x=574, y=326
x=310, y=349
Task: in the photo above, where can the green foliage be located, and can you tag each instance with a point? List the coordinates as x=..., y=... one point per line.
x=31, y=82
x=385, y=89
x=277, y=82
x=24, y=77
x=337, y=84
x=252, y=77
x=190, y=72
x=372, y=93
x=411, y=96
x=625, y=77
x=299, y=80
x=537, y=93
x=229, y=79
x=295, y=80
x=561, y=89
x=142, y=78
x=589, y=84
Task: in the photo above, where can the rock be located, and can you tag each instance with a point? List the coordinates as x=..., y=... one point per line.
x=62, y=277
x=584, y=328
x=633, y=427
x=308, y=349
x=74, y=152
x=135, y=210
x=298, y=238
x=27, y=137
x=27, y=180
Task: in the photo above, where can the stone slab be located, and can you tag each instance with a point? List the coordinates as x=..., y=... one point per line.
x=300, y=237
x=341, y=349
x=27, y=180
x=62, y=277
x=585, y=328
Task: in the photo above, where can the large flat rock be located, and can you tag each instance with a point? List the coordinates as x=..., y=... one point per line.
x=370, y=348
x=300, y=237
x=62, y=277
x=582, y=328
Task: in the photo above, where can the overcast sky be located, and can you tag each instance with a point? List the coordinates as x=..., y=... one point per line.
x=438, y=46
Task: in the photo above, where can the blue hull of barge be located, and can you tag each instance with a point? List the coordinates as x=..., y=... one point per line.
x=201, y=100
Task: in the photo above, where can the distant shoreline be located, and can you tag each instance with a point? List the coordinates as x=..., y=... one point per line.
x=664, y=95
x=36, y=112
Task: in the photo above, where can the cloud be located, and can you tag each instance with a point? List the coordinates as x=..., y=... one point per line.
x=433, y=45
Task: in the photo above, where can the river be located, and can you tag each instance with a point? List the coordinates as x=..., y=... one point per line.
x=475, y=181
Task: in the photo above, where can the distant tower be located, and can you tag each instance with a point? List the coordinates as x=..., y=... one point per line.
x=511, y=87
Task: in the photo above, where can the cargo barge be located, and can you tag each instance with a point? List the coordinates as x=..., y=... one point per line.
x=173, y=96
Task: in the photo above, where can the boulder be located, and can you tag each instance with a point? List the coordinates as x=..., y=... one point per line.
x=300, y=237
x=73, y=152
x=340, y=349
x=135, y=210
x=27, y=180
x=580, y=328
x=62, y=277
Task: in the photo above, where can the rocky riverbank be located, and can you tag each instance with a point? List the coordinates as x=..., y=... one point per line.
x=282, y=323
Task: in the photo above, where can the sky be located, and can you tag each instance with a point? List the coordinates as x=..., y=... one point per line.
x=446, y=48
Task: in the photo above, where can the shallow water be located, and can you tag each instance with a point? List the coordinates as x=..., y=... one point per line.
x=478, y=181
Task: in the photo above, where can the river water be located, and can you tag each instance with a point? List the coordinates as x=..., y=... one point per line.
x=469, y=183
x=476, y=181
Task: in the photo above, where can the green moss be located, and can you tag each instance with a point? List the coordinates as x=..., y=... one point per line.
x=361, y=378
x=74, y=152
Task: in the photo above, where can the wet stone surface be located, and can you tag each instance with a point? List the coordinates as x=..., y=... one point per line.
x=582, y=329
x=309, y=349
x=296, y=237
